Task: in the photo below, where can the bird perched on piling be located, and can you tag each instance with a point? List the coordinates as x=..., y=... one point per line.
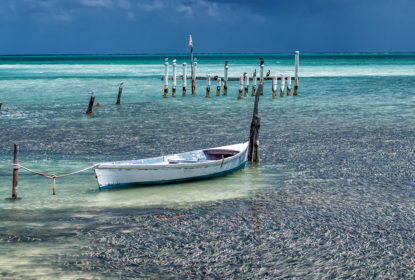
x=215, y=78
x=268, y=73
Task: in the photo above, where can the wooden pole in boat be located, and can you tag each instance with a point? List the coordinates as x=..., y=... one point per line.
x=241, y=87
x=274, y=87
x=173, y=90
x=282, y=86
x=289, y=86
x=15, y=171
x=246, y=85
x=261, y=76
x=208, y=86
x=166, y=78
x=194, y=78
x=225, y=79
x=253, y=149
x=91, y=103
x=184, y=78
x=119, y=93
x=218, y=86
x=253, y=83
x=297, y=63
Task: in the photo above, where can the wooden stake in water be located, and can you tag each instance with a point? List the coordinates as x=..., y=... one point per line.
x=253, y=83
x=261, y=76
x=194, y=78
x=218, y=86
x=184, y=79
x=246, y=85
x=274, y=87
x=282, y=86
x=253, y=150
x=208, y=86
x=297, y=65
x=173, y=91
x=241, y=87
x=15, y=171
x=289, y=86
x=91, y=103
x=166, y=78
x=225, y=79
x=0, y=105
x=120, y=85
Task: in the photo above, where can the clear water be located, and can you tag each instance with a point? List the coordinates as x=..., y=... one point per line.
x=334, y=195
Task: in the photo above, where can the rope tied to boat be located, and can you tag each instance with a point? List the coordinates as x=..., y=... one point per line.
x=51, y=175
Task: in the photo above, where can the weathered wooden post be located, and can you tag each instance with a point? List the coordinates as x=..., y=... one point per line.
x=253, y=83
x=91, y=103
x=241, y=87
x=119, y=93
x=297, y=63
x=225, y=79
x=173, y=90
x=208, y=86
x=274, y=87
x=15, y=171
x=246, y=85
x=261, y=76
x=0, y=105
x=184, y=79
x=166, y=78
x=194, y=78
x=289, y=86
x=218, y=86
x=282, y=86
x=253, y=150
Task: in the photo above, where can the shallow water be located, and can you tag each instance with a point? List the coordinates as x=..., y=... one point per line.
x=332, y=198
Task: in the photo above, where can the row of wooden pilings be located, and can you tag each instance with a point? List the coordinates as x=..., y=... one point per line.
x=92, y=99
x=244, y=80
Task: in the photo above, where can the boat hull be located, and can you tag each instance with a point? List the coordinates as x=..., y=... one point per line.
x=115, y=175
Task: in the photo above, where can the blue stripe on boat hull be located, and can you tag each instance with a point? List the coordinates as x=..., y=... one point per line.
x=219, y=174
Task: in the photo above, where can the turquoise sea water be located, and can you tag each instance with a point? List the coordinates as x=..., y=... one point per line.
x=334, y=195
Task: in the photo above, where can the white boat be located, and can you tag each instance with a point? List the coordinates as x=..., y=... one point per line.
x=189, y=166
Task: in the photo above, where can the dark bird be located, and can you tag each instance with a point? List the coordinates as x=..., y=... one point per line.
x=268, y=73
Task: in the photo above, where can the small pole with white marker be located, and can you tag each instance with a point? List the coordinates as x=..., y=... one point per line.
x=297, y=63
x=225, y=79
x=253, y=83
x=289, y=86
x=218, y=87
x=173, y=91
x=166, y=78
x=246, y=85
x=184, y=79
x=194, y=78
x=261, y=76
x=282, y=86
x=274, y=87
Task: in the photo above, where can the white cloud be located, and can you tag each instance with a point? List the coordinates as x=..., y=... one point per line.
x=151, y=5
x=97, y=3
x=125, y=4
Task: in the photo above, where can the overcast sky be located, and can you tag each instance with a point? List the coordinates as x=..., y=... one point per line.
x=220, y=26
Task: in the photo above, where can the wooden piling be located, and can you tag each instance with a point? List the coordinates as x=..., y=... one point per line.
x=218, y=86
x=0, y=105
x=166, y=79
x=241, y=87
x=91, y=103
x=208, y=86
x=194, y=78
x=184, y=78
x=15, y=171
x=246, y=85
x=173, y=90
x=225, y=78
x=297, y=64
x=274, y=87
x=289, y=86
x=119, y=93
x=253, y=149
x=282, y=86
x=253, y=83
x=261, y=76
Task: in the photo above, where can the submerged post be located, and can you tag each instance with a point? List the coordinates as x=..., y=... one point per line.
x=218, y=86
x=246, y=85
x=119, y=93
x=282, y=86
x=261, y=76
x=15, y=171
x=297, y=63
x=253, y=83
x=173, y=90
x=194, y=78
x=241, y=86
x=208, y=86
x=91, y=103
x=166, y=78
x=184, y=78
x=225, y=79
x=289, y=86
x=274, y=87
